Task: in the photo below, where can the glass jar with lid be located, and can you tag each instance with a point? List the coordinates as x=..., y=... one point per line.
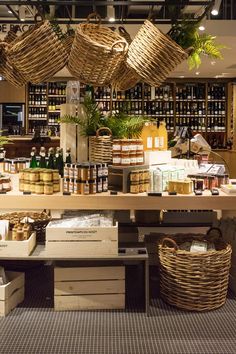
x=39, y=187
x=48, y=188
x=56, y=186
x=47, y=176
x=34, y=175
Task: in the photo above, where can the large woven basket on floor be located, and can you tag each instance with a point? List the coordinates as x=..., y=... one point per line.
x=7, y=69
x=100, y=146
x=153, y=55
x=96, y=54
x=194, y=280
x=38, y=53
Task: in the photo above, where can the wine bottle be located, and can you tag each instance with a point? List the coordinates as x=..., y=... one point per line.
x=51, y=164
x=33, y=161
x=42, y=161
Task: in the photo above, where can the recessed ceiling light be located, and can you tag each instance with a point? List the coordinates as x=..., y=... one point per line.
x=9, y=11
x=213, y=62
x=201, y=28
x=216, y=8
x=181, y=76
x=112, y=19
x=214, y=12
x=197, y=72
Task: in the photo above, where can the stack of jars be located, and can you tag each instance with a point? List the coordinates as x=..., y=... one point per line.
x=39, y=181
x=139, y=181
x=87, y=178
x=127, y=152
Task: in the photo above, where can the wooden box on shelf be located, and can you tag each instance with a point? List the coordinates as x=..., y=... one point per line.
x=82, y=242
x=89, y=288
x=10, y=248
x=12, y=293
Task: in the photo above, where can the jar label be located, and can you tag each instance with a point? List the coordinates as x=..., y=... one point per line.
x=133, y=147
x=161, y=142
x=116, y=147
x=140, y=147
x=116, y=160
x=157, y=142
x=125, y=161
x=139, y=159
x=133, y=160
x=125, y=148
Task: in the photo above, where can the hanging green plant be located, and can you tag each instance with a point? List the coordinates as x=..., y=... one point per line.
x=185, y=33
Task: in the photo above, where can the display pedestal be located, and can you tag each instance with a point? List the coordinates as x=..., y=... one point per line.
x=70, y=134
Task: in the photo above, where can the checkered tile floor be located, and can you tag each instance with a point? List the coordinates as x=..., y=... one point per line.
x=34, y=327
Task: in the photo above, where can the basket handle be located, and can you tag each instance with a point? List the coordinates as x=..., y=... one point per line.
x=216, y=229
x=108, y=130
x=96, y=16
x=121, y=41
x=172, y=242
x=122, y=30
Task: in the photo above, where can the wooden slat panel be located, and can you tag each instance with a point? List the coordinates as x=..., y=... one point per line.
x=89, y=287
x=89, y=273
x=16, y=281
x=89, y=302
x=8, y=305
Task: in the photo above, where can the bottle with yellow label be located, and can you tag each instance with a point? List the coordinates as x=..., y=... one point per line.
x=148, y=135
x=163, y=136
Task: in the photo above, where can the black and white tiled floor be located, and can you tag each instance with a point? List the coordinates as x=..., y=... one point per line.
x=34, y=327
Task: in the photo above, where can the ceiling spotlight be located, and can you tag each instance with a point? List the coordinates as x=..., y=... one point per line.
x=111, y=19
x=181, y=76
x=216, y=8
x=202, y=25
x=197, y=72
x=9, y=11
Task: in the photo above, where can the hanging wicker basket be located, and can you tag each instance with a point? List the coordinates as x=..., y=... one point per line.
x=194, y=280
x=11, y=35
x=68, y=40
x=96, y=54
x=100, y=146
x=153, y=55
x=38, y=53
x=123, y=33
x=8, y=70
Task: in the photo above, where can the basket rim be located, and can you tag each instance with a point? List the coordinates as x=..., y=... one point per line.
x=97, y=44
x=227, y=249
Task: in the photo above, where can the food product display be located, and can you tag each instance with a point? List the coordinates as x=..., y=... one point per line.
x=127, y=152
x=39, y=181
x=87, y=178
x=139, y=181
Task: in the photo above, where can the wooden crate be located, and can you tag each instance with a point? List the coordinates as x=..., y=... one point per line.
x=89, y=288
x=82, y=242
x=12, y=293
x=11, y=248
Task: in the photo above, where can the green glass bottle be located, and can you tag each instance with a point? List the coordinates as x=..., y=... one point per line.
x=68, y=155
x=33, y=161
x=42, y=161
x=51, y=164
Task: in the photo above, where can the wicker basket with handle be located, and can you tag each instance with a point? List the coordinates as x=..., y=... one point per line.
x=38, y=53
x=153, y=55
x=100, y=146
x=194, y=280
x=96, y=54
x=7, y=69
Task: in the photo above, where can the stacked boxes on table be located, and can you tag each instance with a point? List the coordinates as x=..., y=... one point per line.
x=88, y=288
x=12, y=293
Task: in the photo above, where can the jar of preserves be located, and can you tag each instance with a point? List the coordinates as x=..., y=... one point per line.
x=33, y=176
x=26, y=174
x=39, y=187
x=6, y=184
x=133, y=158
x=125, y=159
x=48, y=188
x=92, y=186
x=19, y=234
x=141, y=187
x=134, y=176
x=133, y=145
x=47, y=176
x=84, y=187
x=55, y=175
x=116, y=158
x=139, y=145
x=125, y=145
x=32, y=187
x=116, y=147
x=56, y=186
x=134, y=187
x=21, y=174
x=139, y=158
x=26, y=186
x=41, y=172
